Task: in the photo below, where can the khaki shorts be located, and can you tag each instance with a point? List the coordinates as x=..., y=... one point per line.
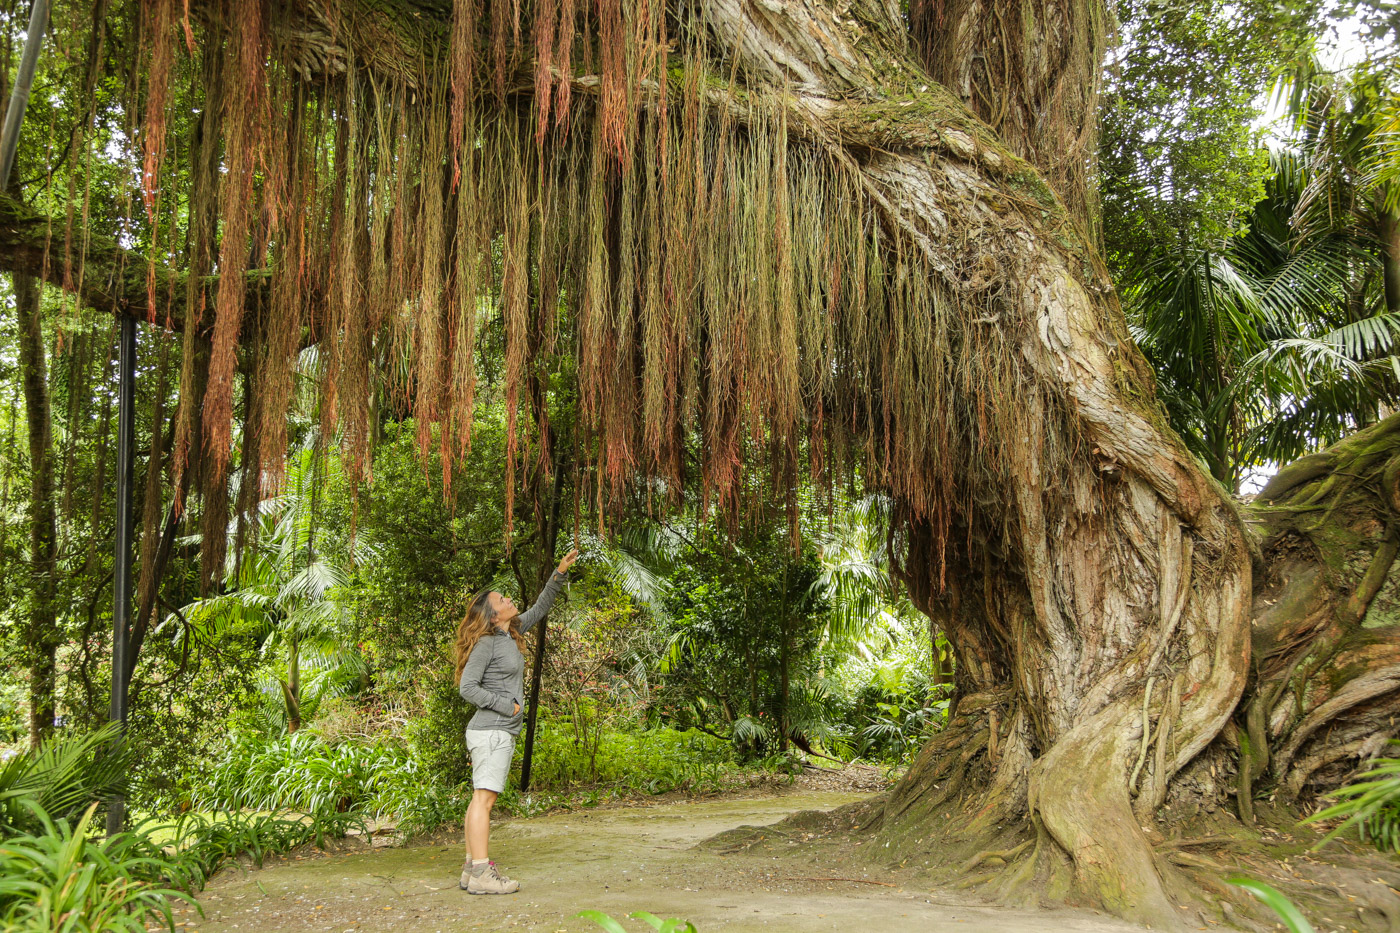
x=492, y=750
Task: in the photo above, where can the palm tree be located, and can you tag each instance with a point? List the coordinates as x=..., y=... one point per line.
x=855, y=581
x=1338, y=370
x=291, y=595
x=1346, y=124
x=867, y=610
x=1262, y=349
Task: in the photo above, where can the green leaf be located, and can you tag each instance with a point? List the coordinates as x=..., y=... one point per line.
x=602, y=919
x=651, y=920
x=1292, y=918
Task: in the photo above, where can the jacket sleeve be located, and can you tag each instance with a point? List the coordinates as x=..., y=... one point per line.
x=470, y=685
x=540, y=609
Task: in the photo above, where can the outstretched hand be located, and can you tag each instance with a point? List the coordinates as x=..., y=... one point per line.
x=567, y=561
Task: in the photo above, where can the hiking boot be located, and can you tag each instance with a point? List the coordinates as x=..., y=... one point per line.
x=489, y=881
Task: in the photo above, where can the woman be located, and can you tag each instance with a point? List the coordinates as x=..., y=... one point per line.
x=490, y=675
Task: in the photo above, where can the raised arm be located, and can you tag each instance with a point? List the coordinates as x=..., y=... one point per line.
x=540, y=609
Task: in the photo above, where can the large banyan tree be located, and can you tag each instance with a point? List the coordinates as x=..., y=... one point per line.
x=789, y=236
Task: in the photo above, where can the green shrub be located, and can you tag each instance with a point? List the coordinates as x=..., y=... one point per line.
x=885, y=706
x=1371, y=804
x=60, y=779
x=420, y=804
x=203, y=842
x=305, y=773
x=59, y=879
x=435, y=739
x=653, y=760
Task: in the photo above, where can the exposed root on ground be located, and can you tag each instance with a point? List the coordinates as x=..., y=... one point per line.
x=1345, y=886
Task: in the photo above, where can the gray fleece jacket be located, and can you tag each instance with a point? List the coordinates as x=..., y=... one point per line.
x=493, y=680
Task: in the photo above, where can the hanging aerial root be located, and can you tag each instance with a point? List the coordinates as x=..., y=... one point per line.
x=243, y=73
x=741, y=292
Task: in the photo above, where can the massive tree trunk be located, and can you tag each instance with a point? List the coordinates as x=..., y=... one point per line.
x=1099, y=611
x=41, y=636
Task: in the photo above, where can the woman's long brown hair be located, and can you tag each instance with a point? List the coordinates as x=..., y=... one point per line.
x=479, y=621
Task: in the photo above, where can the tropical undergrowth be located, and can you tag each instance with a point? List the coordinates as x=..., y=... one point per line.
x=58, y=872
x=653, y=681
x=388, y=780
x=65, y=876
x=60, y=878
x=1369, y=805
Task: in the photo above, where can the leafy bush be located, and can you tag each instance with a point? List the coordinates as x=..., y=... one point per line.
x=899, y=729
x=421, y=804
x=653, y=760
x=1371, y=804
x=894, y=703
x=203, y=842
x=435, y=739
x=59, y=879
x=303, y=772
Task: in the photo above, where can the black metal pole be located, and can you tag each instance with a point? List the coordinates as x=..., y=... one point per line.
x=550, y=538
x=121, y=609
x=24, y=80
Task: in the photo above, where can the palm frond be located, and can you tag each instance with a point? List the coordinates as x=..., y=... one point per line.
x=65, y=775
x=311, y=582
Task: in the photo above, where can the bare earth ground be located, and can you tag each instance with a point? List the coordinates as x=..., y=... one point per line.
x=619, y=860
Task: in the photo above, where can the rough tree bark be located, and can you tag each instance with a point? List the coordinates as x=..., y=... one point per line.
x=1326, y=689
x=1031, y=71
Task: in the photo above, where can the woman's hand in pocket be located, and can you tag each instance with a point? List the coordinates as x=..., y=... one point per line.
x=517, y=710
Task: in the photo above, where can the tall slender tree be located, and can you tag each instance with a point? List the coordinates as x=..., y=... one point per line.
x=42, y=634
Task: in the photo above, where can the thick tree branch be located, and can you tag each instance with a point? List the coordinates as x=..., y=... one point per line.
x=108, y=278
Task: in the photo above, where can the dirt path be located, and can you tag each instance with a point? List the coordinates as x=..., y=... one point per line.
x=617, y=861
